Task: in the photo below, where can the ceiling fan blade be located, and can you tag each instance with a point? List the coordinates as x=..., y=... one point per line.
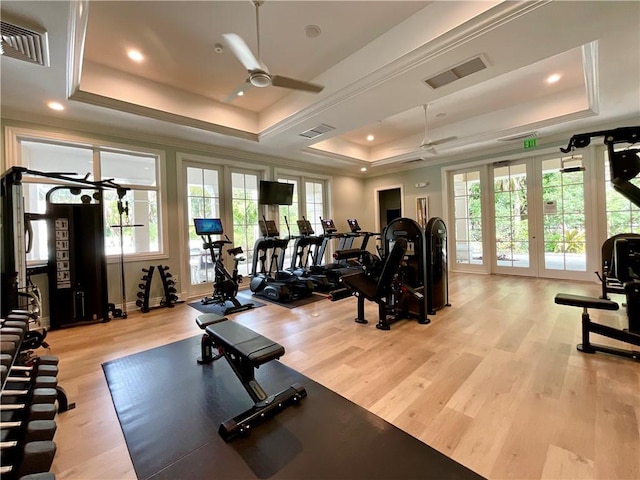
x=242, y=52
x=286, y=82
x=440, y=141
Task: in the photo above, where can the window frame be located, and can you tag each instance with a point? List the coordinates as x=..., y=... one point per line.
x=14, y=136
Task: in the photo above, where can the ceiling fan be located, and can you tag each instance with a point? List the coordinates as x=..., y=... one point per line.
x=428, y=146
x=259, y=75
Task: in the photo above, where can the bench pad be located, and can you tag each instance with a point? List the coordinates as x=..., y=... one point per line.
x=585, y=302
x=244, y=342
x=207, y=319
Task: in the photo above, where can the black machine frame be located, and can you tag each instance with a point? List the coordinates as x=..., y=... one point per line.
x=624, y=265
x=225, y=283
x=76, y=293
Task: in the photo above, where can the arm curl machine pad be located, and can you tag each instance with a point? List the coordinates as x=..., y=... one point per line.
x=585, y=302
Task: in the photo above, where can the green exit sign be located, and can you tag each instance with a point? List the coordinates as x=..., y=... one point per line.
x=529, y=143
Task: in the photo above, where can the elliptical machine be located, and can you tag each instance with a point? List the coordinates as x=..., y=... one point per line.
x=225, y=284
x=273, y=282
x=304, y=248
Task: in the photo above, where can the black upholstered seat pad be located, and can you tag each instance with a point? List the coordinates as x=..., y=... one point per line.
x=245, y=342
x=588, y=302
x=362, y=283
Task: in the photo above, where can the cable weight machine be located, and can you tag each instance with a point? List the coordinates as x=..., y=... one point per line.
x=624, y=164
x=76, y=260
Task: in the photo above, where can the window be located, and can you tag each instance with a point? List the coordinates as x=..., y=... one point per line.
x=314, y=196
x=510, y=185
x=140, y=204
x=564, y=219
x=467, y=203
x=289, y=226
x=244, y=197
x=203, y=197
x=308, y=202
x=622, y=215
x=289, y=211
x=132, y=170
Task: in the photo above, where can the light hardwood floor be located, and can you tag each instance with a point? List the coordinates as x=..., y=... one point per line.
x=494, y=382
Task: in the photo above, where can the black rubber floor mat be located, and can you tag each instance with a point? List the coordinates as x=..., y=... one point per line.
x=170, y=409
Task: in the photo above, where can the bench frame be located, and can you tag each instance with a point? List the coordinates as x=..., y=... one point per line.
x=244, y=367
x=592, y=327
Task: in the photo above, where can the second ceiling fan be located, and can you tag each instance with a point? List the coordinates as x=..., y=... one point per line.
x=259, y=75
x=429, y=146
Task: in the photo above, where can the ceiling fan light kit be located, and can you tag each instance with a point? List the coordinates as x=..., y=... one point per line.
x=260, y=79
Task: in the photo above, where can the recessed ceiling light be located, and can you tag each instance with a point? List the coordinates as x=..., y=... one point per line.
x=370, y=137
x=363, y=169
x=55, y=106
x=135, y=55
x=553, y=78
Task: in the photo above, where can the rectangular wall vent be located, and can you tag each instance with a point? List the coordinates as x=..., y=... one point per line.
x=317, y=131
x=456, y=73
x=24, y=44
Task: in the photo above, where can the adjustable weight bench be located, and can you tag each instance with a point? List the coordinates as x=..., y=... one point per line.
x=588, y=326
x=246, y=350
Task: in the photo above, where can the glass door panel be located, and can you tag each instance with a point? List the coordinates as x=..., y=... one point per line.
x=512, y=243
x=203, y=201
x=244, y=188
x=564, y=231
x=467, y=207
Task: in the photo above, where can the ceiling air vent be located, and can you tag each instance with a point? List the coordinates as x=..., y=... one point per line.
x=24, y=44
x=317, y=131
x=456, y=73
x=521, y=136
x=415, y=160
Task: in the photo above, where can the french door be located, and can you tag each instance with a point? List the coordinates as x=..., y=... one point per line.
x=227, y=193
x=540, y=217
x=514, y=236
x=522, y=217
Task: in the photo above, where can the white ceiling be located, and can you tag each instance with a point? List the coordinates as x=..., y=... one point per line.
x=371, y=56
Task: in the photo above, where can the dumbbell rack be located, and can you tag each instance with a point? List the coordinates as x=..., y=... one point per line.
x=168, y=285
x=31, y=398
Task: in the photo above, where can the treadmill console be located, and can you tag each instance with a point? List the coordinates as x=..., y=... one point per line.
x=328, y=226
x=353, y=225
x=268, y=228
x=304, y=227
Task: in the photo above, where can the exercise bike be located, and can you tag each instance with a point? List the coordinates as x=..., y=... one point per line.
x=225, y=284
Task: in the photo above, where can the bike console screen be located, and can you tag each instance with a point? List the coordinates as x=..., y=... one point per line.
x=208, y=226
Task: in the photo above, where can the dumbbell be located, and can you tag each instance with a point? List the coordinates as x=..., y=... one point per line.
x=32, y=460
x=24, y=432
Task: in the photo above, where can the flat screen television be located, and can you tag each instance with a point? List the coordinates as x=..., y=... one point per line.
x=208, y=226
x=275, y=193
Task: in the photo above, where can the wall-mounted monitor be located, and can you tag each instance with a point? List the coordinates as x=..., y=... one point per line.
x=208, y=226
x=275, y=193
